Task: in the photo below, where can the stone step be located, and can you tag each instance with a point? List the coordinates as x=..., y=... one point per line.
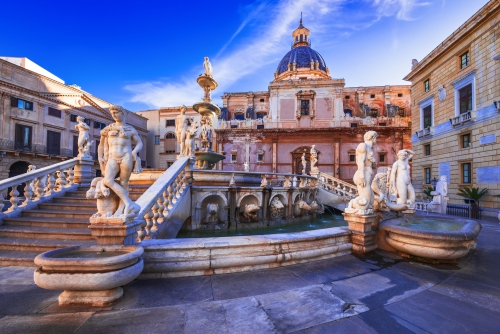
x=59, y=214
x=40, y=245
x=77, y=207
x=47, y=222
x=45, y=233
x=69, y=200
x=17, y=258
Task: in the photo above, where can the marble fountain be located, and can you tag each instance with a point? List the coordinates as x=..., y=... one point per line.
x=138, y=239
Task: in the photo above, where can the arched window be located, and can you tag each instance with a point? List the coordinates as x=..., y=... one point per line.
x=348, y=112
x=170, y=143
x=301, y=38
x=239, y=116
x=373, y=112
x=260, y=115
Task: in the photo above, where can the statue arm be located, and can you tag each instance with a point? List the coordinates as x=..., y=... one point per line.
x=138, y=145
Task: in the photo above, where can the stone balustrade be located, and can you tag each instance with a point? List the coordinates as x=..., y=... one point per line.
x=40, y=185
x=421, y=206
x=161, y=199
x=336, y=186
x=462, y=118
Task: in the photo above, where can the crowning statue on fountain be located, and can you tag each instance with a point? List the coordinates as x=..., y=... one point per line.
x=206, y=158
x=84, y=145
x=115, y=155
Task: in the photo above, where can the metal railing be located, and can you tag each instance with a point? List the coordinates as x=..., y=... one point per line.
x=466, y=211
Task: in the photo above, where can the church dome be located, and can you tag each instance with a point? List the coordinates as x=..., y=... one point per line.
x=301, y=61
x=302, y=56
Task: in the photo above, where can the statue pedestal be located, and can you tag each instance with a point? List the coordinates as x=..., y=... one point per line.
x=363, y=236
x=115, y=231
x=83, y=172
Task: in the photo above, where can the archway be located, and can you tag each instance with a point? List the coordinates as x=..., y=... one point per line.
x=297, y=159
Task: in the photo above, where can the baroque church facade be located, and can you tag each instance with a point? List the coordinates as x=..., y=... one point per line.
x=305, y=106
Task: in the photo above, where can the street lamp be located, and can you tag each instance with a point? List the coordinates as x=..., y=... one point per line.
x=434, y=182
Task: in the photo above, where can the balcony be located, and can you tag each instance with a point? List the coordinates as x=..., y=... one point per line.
x=462, y=118
x=424, y=133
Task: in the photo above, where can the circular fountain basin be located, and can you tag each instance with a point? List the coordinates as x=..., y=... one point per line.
x=430, y=237
x=206, y=109
x=90, y=275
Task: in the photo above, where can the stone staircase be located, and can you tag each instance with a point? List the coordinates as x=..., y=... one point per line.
x=57, y=224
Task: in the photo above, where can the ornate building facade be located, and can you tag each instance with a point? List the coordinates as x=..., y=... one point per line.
x=456, y=95
x=304, y=106
x=38, y=117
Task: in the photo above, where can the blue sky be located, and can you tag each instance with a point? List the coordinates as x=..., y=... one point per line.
x=148, y=54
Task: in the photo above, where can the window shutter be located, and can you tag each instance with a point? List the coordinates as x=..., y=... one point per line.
x=13, y=102
x=53, y=142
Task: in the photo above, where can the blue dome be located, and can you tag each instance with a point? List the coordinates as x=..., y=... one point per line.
x=302, y=56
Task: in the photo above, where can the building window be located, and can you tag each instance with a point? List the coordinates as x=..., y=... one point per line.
x=239, y=116
x=261, y=115
x=382, y=124
x=427, y=116
x=373, y=113
x=157, y=140
x=348, y=112
x=465, y=98
x=170, y=122
x=465, y=140
x=372, y=96
x=73, y=117
x=234, y=126
x=169, y=164
x=23, y=104
x=427, y=85
x=401, y=112
x=466, y=172
x=54, y=112
x=99, y=125
x=23, y=137
x=234, y=158
x=53, y=142
x=464, y=60
x=304, y=107
x=347, y=97
x=352, y=157
x=400, y=94
x=261, y=126
x=381, y=158
x=354, y=125
x=75, y=146
x=427, y=175
x=427, y=149
x=170, y=142
x=261, y=100
x=260, y=157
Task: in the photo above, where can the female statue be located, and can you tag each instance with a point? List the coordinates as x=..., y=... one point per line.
x=83, y=134
x=400, y=178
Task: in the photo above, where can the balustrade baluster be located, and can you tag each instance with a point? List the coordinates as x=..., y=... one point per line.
x=170, y=195
x=28, y=194
x=166, y=203
x=61, y=181
x=14, y=199
x=154, y=219
x=71, y=177
x=161, y=207
x=178, y=186
x=149, y=223
x=40, y=187
x=51, y=182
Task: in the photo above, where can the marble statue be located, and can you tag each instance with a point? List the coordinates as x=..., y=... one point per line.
x=83, y=135
x=383, y=199
x=439, y=196
x=317, y=206
x=182, y=123
x=400, y=178
x=301, y=208
x=314, y=159
x=208, y=67
x=115, y=155
x=363, y=203
x=294, y=181
x=442, y=186
x=304, y=163
x=206, y=133
x=250, y=212
x=212, y=213
x=246, y=167
x=188, y=145
x=107, y=202
x=276, y=209
x=441, y=93
x=85, y=155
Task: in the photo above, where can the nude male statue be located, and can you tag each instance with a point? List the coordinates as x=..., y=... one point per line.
x=115, y=154
x=182, y=124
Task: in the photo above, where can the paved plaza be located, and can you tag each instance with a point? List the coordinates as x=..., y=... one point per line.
x=380, y=293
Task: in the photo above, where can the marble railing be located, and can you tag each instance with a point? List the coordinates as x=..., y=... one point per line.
x=160, y=200
x=462, y=118
x=39, y=185
x=337, y=187
x=421, y=206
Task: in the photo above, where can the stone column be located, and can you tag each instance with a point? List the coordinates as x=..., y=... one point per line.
x=336, y=157
x=232, y=206
x=275, y=154
x=363, y=234
x=83, y=172
x=266, y=192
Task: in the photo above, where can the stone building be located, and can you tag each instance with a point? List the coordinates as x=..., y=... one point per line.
x=38, y=117
x=456, y=94
x=304, y=106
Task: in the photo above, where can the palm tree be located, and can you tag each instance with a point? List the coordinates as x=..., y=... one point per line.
x=473, y=193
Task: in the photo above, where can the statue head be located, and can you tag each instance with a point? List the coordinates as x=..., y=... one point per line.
x=443, y=178
x=183, y=109
x=118, y=113
x=371, y=136
x=80, y=119
x=206, y=58
x=402, y=154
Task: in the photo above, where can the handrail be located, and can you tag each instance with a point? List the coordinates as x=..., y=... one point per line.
x=337, y=186
x=161, y=198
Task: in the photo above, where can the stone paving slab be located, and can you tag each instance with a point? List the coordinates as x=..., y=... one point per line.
x=376, y=293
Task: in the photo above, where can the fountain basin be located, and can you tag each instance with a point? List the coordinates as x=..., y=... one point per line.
x=430, y=238
x=89, y=275
x=206, y=109
x=211, y=157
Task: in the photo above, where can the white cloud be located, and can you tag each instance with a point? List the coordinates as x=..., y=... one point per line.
x=327, y=19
